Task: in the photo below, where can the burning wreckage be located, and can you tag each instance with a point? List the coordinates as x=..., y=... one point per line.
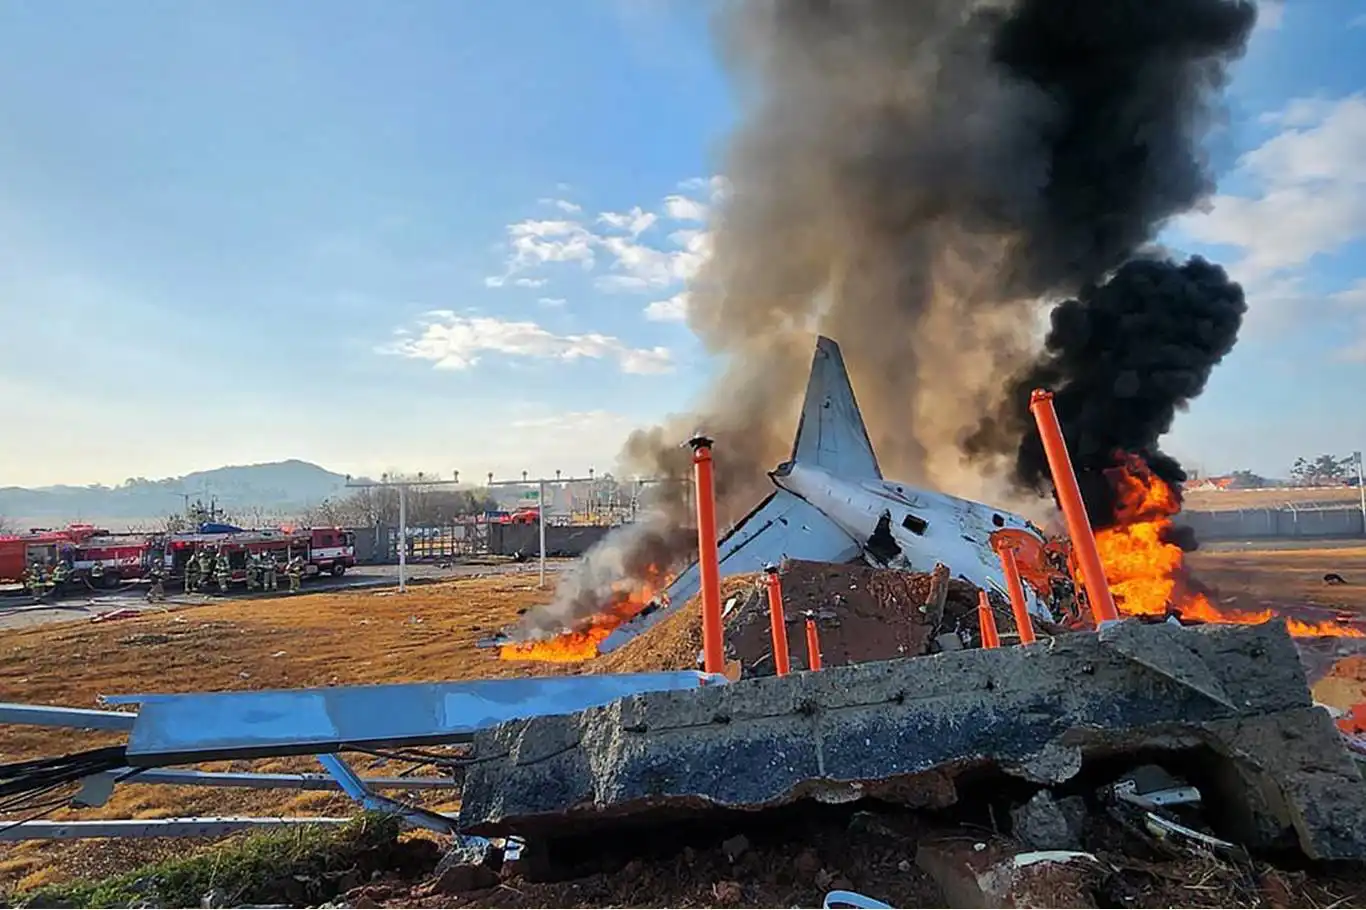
x=1215, y=716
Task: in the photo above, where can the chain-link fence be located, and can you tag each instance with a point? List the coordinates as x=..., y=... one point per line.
x=1328, y=521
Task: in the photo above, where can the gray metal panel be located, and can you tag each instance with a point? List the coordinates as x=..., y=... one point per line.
x=782, y=527
x=150, y=827
x=75, y=718
x=204, y=726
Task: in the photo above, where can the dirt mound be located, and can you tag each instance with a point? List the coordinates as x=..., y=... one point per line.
x=862, y=614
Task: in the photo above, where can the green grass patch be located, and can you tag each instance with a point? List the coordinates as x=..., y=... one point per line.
x=303, y=865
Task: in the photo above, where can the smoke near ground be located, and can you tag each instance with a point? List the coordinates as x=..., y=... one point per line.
x=911, y=178
x=1121, y=359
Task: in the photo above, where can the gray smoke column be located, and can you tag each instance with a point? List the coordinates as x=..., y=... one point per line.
x=911, y=177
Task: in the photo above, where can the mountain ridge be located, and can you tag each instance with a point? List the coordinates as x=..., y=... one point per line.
x=277, y=487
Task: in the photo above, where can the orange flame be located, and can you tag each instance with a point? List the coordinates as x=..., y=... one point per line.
x=1147, y=570
x=628, y=599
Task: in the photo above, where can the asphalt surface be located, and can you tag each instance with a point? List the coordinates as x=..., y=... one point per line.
x=18, y=612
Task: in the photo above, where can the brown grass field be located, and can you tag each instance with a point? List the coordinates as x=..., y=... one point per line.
x=1228, y=500
x=368, y=637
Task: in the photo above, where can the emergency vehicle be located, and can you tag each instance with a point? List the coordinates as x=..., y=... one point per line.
x=106, y=559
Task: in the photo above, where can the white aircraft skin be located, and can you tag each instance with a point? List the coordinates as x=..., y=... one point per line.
x=833, y=505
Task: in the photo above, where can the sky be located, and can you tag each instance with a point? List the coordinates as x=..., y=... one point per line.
x=419, y=235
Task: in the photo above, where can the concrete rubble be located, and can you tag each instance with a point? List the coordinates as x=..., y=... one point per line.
x=1232, y=702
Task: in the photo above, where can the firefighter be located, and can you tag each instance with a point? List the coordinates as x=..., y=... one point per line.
x=33, y=579
x=97, y=572
x=206, y=562
x=268, y=569
x=222, y=570
x=295, y=570
x=57, y=578
x=192, y=573
x=157, y=572
x=253, y=571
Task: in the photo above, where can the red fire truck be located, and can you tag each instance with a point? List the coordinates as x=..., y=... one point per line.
x=105, y=559
x=325, y=550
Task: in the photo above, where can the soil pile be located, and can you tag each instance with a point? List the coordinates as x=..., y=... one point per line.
x=862, y=614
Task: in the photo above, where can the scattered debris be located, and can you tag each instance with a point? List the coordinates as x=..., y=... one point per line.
x=1234, y=695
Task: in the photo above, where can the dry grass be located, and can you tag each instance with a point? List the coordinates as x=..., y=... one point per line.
x=1255, y=579
x=339, y=638
x=1227, y=500
x=378, y=636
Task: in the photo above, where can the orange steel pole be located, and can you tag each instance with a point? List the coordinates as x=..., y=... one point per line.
x=1017, y=596
x=776, y=622
x=713, y=649
x=986, y=622
x=813, y=645
x=1073, y=509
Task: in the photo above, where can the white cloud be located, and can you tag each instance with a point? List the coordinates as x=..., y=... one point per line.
x=634, y=265
x=454, y=342
x=551, y=301
x=635, y=222
x=563, y=205
x=675, y=309
x=537, y=242
x=682, y=208
x=1358, y=22
x=1311, y=195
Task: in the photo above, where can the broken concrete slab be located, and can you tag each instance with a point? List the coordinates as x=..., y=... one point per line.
x=904, y=730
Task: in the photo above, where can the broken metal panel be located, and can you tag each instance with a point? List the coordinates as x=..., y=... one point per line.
x=905, y=729
x=177, y=777
x=151, y=827
x=783, y=527
x=74, y=718
x=179, y=729
x=356, y=788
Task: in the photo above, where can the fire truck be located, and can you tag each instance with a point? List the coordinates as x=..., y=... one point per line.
x=325, y=550
x=105, y=560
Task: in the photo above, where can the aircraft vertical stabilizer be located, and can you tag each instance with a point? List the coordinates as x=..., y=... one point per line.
x=831, y=433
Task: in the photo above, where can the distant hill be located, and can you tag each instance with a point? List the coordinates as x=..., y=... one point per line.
x=281, y=488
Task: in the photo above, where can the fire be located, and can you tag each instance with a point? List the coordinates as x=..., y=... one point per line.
x=629, y=598
x=1147, y=570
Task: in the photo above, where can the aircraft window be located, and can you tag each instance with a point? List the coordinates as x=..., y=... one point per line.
x=997, y=520
x=914, y=523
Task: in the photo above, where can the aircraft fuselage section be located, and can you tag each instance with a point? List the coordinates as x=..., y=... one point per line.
x=903, y=527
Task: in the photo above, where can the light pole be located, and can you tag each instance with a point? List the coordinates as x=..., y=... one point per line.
x=540, y=504
x=1361, y=491
x=403, y=486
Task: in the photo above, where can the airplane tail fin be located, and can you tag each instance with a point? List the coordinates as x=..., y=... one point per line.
x=831, y=433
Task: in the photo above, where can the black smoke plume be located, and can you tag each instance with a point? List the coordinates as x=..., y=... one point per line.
x=910, y=177
x=1121, y=359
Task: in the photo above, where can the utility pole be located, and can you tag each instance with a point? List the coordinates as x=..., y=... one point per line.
x=403, y=486
x=1361, y=491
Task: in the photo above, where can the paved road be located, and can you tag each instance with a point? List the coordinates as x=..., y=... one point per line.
x=19, y=613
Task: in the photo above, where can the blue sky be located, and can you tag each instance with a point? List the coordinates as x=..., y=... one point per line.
x=435, y=235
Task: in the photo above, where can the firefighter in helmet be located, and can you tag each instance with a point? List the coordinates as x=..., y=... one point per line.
x=156, y=571
x=295, y=569
x=269, y=568
x=222, y=570
x=192, y=573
